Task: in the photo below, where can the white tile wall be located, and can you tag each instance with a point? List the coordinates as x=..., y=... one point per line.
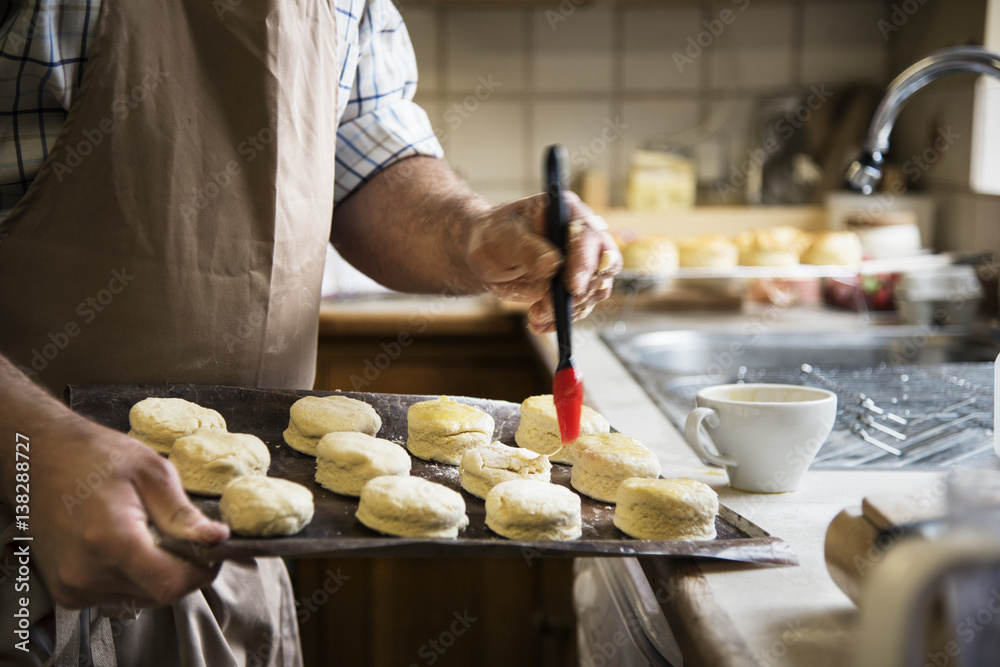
x=566, y=70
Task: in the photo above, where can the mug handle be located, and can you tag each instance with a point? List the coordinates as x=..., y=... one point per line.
x=692, y=430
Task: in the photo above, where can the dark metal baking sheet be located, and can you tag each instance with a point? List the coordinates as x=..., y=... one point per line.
x=334, y=530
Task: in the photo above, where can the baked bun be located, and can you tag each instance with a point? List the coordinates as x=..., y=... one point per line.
x=654, y=254
x=666, y=509
x=834, y=248
x=158, y=422
x=603, y=461
x=713, y=251
x=347, y=460
x=538, y=429
x=443, y=429
x=208, y=459
x=772, y=246
x=312, y=417
x=527, y=509
x=485, y=466
x=411, y=507
x=266, y=506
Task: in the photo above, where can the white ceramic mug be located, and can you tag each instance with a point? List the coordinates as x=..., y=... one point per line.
x=764, y=435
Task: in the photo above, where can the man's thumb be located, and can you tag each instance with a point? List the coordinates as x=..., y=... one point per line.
x=171, y=511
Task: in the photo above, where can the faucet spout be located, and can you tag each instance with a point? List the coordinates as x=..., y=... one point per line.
x=865, y=173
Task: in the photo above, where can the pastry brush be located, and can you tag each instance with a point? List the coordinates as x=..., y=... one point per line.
x=567, y=385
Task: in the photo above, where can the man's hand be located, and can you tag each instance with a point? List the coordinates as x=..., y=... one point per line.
x=509, y=253
x=98, y=549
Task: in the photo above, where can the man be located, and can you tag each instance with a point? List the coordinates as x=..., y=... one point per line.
x=175, y=232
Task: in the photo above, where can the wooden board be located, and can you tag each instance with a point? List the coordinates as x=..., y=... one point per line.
x=334, y=529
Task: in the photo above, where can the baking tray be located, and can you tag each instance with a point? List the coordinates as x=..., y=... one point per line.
x=334, y=531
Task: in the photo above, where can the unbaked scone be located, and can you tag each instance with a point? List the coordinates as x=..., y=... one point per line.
x=208, y=459
x=527, y=509
x=312, y=417
x=666, y=509
x=158, y=422
x=772, y=246
x=485, y=466
x=442, y=429
x=834, y=248
x=266, y=506
x=538, y=429
x=654, y=254
x=347, y=460
x=603, y=461
x=708, y=251
x=411, y=507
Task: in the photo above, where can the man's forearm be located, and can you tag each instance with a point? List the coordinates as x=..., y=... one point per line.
x=28, y=409
x=408, y=227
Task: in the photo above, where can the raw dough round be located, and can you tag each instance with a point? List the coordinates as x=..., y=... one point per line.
x=411, y=507
x=538, y=429
x=208, y=459
x=834, y=248
x=666, y=509
x=346, y=461
x=528, y=509
x=655, y=254
x=158, y=422
x=605, y=460
x=486, y=466
x=442, y=429
x=266, y=506
x=708, y=251
x=312, y=417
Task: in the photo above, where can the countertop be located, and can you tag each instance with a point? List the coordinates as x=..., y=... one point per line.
x=772, y=615
x=783, y=615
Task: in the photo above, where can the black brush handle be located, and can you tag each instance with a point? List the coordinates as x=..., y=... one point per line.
x=555, y=219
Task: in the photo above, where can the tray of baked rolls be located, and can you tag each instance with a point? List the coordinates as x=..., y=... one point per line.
x=417, y=476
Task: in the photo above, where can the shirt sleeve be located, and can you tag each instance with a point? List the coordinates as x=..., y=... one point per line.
x=381, y=124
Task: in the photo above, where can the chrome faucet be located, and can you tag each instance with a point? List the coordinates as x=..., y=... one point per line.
x=865, y=173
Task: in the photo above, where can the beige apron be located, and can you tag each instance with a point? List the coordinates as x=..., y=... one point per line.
x=177, y=234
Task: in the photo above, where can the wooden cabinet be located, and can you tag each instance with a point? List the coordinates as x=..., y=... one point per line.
x=442, y=612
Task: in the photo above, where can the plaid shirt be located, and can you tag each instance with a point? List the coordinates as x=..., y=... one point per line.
x=43, y=53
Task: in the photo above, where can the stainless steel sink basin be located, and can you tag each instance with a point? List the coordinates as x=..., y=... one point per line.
x=908, y=397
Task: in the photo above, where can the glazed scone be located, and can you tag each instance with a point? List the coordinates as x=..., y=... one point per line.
x=158, y=422
x=266, y=506
x=654, y=254
x=485, y=466
x=708, y=251
x=834, y=248
x=772, y=246
x=666, y=509
x=411, y=507
x=526, y=509
x=443, y=429
x=208, y=459
x=312, y=417
x=538, y=429
x=603, y=461
x=347, y=460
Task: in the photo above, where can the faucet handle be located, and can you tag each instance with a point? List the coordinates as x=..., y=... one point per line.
x=865, y=173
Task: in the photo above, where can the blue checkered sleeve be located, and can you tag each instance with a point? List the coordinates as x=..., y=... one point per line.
x=43, y=46
x=380, y=123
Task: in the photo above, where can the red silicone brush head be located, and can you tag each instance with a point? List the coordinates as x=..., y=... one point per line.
x=567, y=393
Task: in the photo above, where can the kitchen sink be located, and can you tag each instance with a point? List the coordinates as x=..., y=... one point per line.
x=907, y=396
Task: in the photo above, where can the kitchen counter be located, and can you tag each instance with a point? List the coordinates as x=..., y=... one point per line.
x=722, y=613
x=780, y=615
